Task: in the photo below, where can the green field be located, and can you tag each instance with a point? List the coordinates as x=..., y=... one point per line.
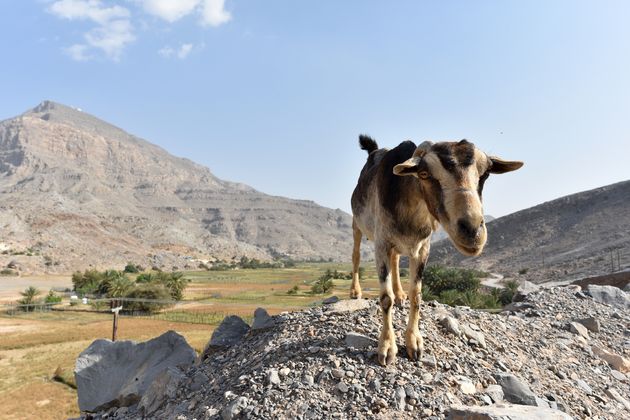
x=35, y=345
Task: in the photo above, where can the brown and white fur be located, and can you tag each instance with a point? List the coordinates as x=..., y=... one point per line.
x=401, y=196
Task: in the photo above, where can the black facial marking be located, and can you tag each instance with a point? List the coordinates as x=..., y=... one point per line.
x=465, y=153
x=382, y=273
x=443, y=152
x=386, y=303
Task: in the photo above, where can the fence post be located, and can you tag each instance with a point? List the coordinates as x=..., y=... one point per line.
x=115, y=326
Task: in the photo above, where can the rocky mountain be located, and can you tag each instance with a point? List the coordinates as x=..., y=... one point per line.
x=76, y=191
x=321, y=363
x=569, y=238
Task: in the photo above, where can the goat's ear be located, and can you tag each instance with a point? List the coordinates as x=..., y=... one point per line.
x=500, y=166
x=408, y=167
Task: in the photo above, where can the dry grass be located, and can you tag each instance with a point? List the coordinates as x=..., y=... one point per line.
x=36, y=345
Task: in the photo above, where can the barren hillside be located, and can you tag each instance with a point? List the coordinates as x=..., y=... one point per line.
x=76, y=191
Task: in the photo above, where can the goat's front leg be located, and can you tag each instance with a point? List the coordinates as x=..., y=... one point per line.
x=387, y=348
x=413, y=339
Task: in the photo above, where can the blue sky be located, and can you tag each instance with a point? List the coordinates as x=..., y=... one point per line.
x=274, y=93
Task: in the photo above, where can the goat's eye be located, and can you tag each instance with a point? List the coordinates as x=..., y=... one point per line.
x=423, y=174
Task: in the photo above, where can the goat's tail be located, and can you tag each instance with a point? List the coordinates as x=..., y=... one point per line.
x=367, y=143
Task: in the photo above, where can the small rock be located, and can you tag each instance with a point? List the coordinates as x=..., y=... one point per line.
x=273, y=378
x=400, y=398
x=591, y=324
x=524, y=288
x=284, y=371
x=495, y=392
x=451, y=325
x=474, y=335
x=617, y=362
x=618, y=375
x=342, y=387
x=612, y=393
x=308, y=380
x=466, y=385
x=262, y=320
x=330, y=300
x=505, y=411
x=338, y=373
x=233, y=409
x=579, y=329
x=359, y=341
x=348, y=305
x=584, y=386
x=514, y=390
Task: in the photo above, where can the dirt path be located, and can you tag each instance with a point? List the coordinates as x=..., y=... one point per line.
x=495, y=281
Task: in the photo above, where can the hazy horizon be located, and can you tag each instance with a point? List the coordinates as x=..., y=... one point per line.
x=274, y=95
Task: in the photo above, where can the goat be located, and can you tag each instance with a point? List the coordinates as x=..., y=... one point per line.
x=401, y=196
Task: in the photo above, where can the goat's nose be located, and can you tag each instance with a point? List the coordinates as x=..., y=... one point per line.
x=468, y=229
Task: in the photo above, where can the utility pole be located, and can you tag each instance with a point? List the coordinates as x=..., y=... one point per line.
x=115, y=326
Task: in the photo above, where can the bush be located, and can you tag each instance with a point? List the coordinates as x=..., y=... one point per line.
x=523, y=271
x=403, y=272
x=148, y=292
x=132, y=268
x=293, y=290
x=52, y=297
x=323, y=285
x=88, y=282
x=8, y=272
x=440, y=279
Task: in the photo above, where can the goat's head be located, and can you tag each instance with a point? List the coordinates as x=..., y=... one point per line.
x=451, y=177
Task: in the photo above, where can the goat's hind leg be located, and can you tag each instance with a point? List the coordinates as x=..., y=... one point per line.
x=399, y=293
x=387, y=348
x=355, y=288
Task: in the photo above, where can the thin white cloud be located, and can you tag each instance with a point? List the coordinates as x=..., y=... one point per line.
x=113, y=31
x=113, y=25
x=169, y=10
x=88, y=9
x=78, y=52
x=213, y=13
x=182, y=52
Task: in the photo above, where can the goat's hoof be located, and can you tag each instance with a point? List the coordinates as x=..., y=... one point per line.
x=414, y=344
x=355, y=294
x=387, y=352
x=399, y=298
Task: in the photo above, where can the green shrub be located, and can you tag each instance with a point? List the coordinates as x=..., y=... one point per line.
x=132, y=268
x=323, y=285
x=52, y=297
x=148, y=292
x=440, y=278
x=523, y=271
x=8, y=272
x=293, y=290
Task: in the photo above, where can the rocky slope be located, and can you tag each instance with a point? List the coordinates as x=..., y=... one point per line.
x=80, y=192
x=561, y=352
x=569, y=238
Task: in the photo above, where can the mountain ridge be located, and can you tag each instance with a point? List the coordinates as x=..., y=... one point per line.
x=61, y=167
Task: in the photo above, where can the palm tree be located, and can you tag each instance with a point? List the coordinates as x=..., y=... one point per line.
x=175, y=283
x=118, y=286
x=28, y=297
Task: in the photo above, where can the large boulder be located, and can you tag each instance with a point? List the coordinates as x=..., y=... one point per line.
x=505, y=411
x=230, y=332
x=117, y=374
x=609, y=295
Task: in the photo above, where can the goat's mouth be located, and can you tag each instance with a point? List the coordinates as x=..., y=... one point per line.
x=471, y=251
